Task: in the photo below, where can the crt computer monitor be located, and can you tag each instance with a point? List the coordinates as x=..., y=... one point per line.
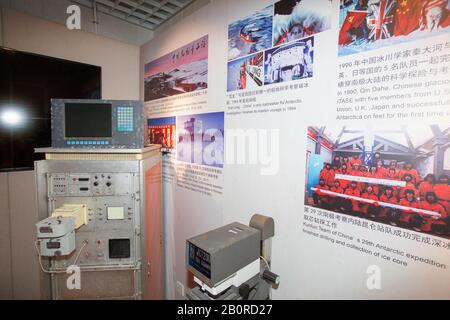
x=88, y=120
x=97, y=124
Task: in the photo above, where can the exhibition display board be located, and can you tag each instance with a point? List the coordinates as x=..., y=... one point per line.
x=332, y=117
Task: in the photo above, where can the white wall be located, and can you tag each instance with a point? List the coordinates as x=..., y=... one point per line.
x=119, y=61
x=120, y=80
x=309, y=267
x=20, y=273
x=108, y=26
x=1, y=27
x=187, y=213
x=246, y=191
x=5, y=240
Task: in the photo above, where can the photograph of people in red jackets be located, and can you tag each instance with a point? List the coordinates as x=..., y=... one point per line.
x=382, y=185
x=371, y=24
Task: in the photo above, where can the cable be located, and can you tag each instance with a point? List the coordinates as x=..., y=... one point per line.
x=40, y=260
x=85, y=242
x=268, y=267
x=267, y=264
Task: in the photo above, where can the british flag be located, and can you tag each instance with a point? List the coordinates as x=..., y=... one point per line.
x=380, y=19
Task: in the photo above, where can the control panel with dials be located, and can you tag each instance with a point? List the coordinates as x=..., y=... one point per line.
x=89, y=184
x=110, y=199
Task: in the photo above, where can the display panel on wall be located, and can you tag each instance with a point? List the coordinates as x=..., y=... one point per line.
x=275, y=44
x=246, y=72
x=162, y=131
x=250, y=34
x=180, y=71
x=27, y=83
x=295, y=19
x=289, y=62
x=392, y=175
x=367, y=25
x=201, y=139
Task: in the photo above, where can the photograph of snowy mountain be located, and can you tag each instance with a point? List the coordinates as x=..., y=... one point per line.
x=251, y=34
x=183, y=70
x=296, y=19
x=371, y=24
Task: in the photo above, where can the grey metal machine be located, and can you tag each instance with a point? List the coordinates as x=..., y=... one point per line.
x=96, y=210
x=100, y=207
x=233, y=262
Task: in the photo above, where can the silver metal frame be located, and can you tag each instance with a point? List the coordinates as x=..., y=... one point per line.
x=137, y=168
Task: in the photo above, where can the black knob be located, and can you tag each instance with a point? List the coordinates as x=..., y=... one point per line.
x=96, y=183
x=108, y=184
x=271, y=277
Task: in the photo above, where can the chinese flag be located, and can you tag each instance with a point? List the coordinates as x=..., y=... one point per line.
x=354, y=19
x=407, y=17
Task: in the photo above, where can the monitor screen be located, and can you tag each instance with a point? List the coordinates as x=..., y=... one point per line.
x=119, y=248
x=88, y=120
